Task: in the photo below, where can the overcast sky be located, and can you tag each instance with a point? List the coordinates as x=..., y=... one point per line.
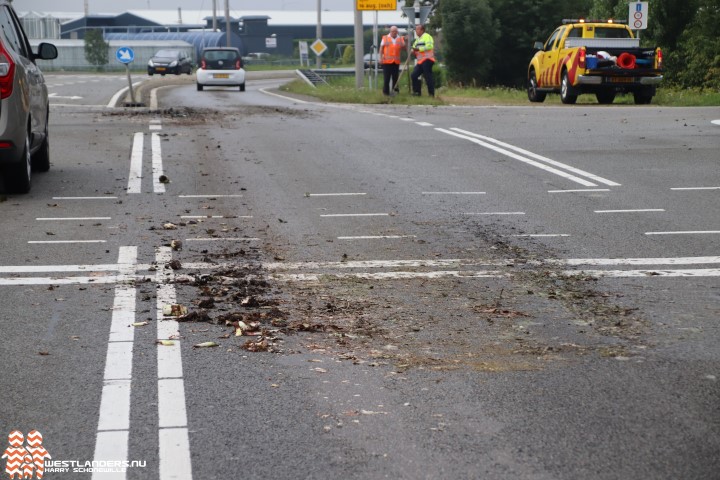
x=115, y=6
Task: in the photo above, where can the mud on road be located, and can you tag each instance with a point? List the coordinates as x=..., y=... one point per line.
x=530, y=318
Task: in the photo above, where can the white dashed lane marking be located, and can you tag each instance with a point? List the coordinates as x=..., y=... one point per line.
x=641, y=210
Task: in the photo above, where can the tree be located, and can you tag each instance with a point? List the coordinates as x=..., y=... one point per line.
x=521, y=24
x=469, y=35
x=348, y=57
x=695, y=61
x=96, y=48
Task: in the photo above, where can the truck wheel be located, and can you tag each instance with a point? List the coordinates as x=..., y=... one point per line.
x=567, y=93
x=605, y=98
x=642, y=98
x=532, y=89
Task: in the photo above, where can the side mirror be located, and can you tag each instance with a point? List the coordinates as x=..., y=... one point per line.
x=538, y=45
x=47, y=51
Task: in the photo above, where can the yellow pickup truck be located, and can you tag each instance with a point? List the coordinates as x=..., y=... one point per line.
x=603, y=58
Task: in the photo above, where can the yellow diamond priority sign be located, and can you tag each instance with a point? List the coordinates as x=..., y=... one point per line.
x=319, y=47
x=376, y=4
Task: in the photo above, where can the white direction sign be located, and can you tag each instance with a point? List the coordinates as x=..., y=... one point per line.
x=638, y=15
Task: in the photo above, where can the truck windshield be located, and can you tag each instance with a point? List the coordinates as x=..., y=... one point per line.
x=605, y=32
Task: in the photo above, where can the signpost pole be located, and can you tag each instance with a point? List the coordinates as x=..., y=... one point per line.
x=132, y=92
x=126, y=55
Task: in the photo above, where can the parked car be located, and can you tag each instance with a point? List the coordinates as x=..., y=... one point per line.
x=369, y=60
x=221, y=66
x=24, y=105
x=170, y=61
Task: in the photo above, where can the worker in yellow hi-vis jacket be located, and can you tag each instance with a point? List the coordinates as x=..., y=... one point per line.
x=423, y=50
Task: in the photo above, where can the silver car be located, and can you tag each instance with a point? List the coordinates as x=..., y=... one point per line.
x=24, y=106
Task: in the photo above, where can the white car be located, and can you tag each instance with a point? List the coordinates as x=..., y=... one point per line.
x=221, y=67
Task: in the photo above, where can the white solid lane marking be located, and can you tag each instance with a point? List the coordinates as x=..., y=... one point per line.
x=41, y=242
x=697, y=272
x=157, y=166
x=330, y=215
x=114, y=412
x=173, y=435
x=547, y=160
x=639, y=210
x=454, y=193
x=50, y=219
x=424, y=124
x=690, y=232
x=66, y=280
x=262, y=90
x=112, y=267
x=314, y=277
x=494, y=213
x=542, y=235
x=580, y=190
x=695, y=188
x=375, y=237
x=175, y=454
x=135, y=177
x=210, y=196
x=111, y=446
x=219, y=239
x=335, y=194
x=636, y=261
x=510, y=154
x=715, y=122
x=84, y=198
x=201, y=217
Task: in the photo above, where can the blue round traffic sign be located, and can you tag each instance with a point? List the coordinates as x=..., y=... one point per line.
x=125, y=55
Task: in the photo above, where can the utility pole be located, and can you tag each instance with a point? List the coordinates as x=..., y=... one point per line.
x=214, y=24
x=227, y=22
x=318, y=30
x=359, y=74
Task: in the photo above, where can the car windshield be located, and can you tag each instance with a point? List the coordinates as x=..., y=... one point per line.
x=220, y=55
x=167, y=53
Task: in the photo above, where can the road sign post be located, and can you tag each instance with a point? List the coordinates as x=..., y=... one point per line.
x=126, y=55
x=638, y=16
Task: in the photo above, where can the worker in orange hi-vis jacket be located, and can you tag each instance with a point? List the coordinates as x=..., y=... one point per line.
x=390, y=48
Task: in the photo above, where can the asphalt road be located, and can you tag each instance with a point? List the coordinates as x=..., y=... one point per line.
x=445, y=292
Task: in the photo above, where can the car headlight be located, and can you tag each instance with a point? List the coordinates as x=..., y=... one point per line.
x=173, y=63
x=150, y=63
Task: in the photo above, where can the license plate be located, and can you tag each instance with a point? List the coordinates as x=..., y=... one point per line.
x=160, y=69
x=221, y=75
x=622, y=80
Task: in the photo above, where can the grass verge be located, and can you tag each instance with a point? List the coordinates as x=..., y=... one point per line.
x=342, y=90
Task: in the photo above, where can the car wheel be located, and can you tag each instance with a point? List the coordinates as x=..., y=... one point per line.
x=17, y=178
x=567, y=95
x=605, y=98
x=533, y=94
x=199, y=87
x=41, y=158
x=242, y=87
x=641, y=98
